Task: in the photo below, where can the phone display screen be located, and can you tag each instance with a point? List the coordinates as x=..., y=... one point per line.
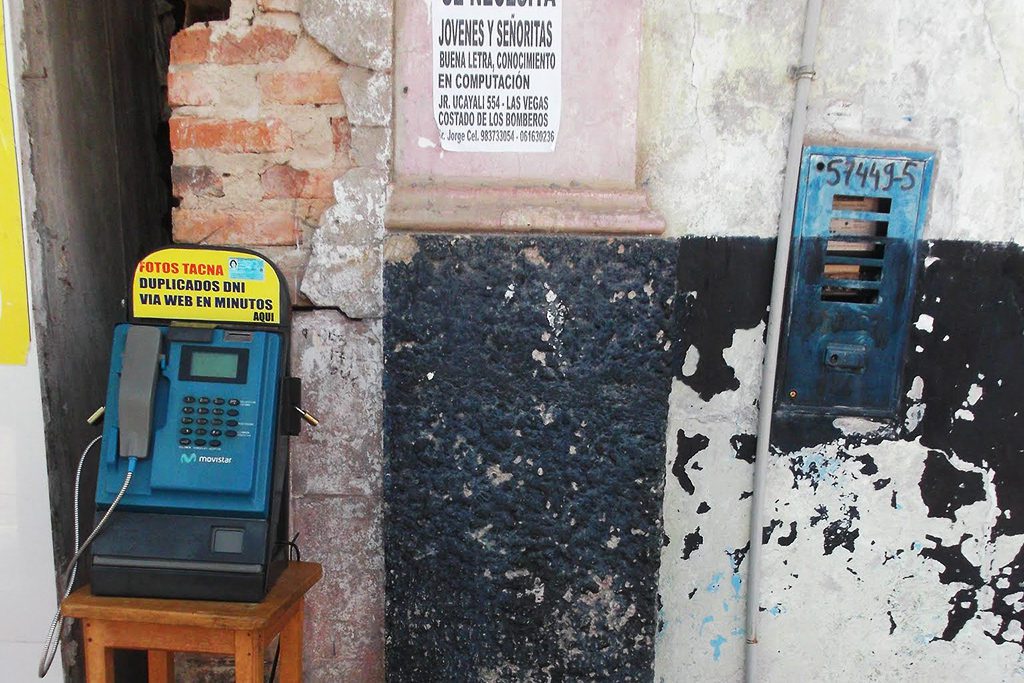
x=214, y=365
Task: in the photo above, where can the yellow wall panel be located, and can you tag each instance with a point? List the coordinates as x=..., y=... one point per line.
x=14, y=332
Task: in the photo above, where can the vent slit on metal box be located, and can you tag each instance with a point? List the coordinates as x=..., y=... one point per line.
x=856, y=249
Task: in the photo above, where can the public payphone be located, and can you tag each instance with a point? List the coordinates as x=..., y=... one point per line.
x=191, y=494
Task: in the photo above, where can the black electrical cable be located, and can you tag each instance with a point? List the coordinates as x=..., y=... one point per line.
x=292, y=546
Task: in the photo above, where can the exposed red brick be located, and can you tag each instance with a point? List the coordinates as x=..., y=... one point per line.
x=315, y=208
x=200, y=181
x=284, y=182
x=301, y=87
x=189, y=89
x=235, y=227
x=233, y=135
x=256, y=45
x=191, y=45
x=342, y=132
x=280, y=6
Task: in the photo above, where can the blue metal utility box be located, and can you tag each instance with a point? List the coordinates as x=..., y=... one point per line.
x=856, y=232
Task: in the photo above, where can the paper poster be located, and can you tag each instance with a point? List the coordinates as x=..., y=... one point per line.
x=497, y=74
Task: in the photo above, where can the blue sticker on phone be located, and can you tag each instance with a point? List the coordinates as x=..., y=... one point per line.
x=245, y=268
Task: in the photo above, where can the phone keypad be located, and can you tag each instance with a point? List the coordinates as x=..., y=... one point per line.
x=188, y=409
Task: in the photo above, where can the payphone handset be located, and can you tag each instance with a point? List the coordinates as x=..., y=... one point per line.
x=191, y=492
x=137, y=390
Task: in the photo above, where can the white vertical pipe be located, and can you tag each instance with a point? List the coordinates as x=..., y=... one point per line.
x=805, y=71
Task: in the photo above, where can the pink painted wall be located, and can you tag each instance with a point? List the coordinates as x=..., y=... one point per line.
x=598, y=132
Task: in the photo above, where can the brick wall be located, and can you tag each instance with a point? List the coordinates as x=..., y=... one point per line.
x=258, y=127
x=281, y=134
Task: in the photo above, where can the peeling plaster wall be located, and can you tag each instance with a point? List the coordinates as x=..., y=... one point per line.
x=329, y=79
x=913, y=530
x=712, y=423
x=890, y=547
x=716, y=102
x=947, y=75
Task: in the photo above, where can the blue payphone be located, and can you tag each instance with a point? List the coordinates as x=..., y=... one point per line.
x=199, y=408
x=199, y=518
x=191, y=494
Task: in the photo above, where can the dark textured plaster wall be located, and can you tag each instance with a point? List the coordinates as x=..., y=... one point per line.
x=526, y=390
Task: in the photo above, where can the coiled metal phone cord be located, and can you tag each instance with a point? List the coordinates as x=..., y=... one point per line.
x=54, y=637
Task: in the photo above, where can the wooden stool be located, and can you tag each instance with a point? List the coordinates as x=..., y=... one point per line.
x=163, y=627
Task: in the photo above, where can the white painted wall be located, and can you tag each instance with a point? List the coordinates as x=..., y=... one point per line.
x=716, y=101
x=27, y=593
x=27, y=589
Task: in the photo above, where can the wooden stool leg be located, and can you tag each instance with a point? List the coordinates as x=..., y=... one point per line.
x=161, y=666
x=248, y=657
x=99, y=659
x=291, y=646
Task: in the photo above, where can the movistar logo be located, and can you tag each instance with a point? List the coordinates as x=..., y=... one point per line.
x=189, y=458
x=215, y=459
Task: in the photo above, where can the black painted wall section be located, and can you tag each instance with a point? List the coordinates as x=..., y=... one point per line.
x=527, y=386
x=724, y=285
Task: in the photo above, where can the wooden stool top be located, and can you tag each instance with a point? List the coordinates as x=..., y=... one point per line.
x=289, y=588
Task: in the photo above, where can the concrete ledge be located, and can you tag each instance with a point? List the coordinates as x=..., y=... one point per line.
x=435, y=208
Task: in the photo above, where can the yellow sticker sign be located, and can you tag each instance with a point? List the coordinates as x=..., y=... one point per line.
x=207, y=285
x=14, y=339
